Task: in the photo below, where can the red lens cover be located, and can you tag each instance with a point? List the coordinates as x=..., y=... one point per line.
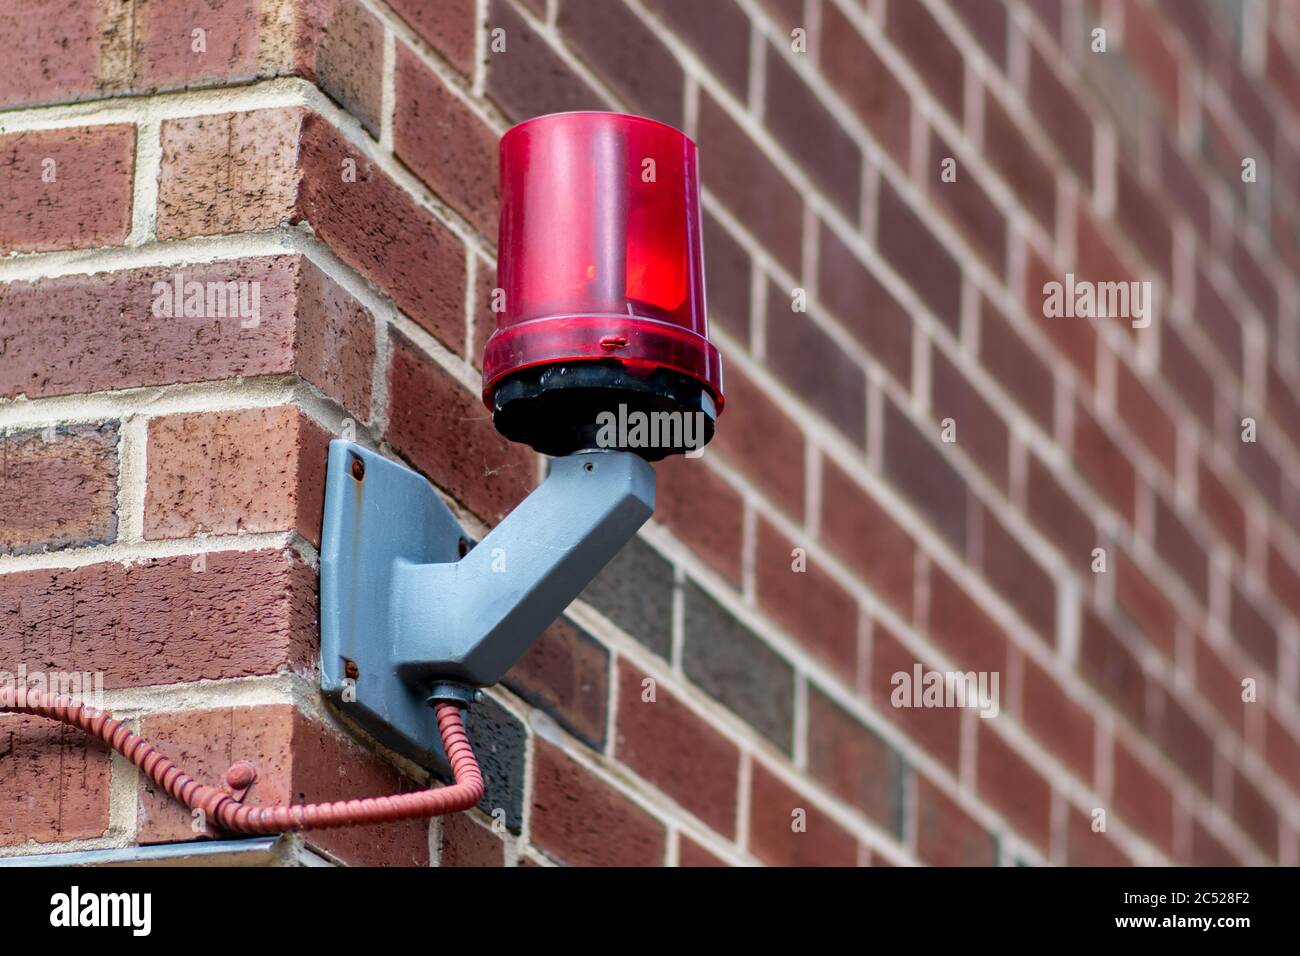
x=599, y=251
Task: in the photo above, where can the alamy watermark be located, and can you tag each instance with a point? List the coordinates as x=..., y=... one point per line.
x=192, y=299
x=639, y=429
x=921, y=688
x=1081, y=298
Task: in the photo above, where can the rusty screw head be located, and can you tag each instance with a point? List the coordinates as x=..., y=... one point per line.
x=358, y=469
x=350, y=670
x=241, y=775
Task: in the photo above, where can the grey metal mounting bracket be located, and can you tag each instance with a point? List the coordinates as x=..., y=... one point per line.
x=409, y=604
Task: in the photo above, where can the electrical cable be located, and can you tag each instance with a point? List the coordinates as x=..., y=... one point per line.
x=225, y=811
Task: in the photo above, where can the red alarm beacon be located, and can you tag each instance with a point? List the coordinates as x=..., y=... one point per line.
x=601, y=268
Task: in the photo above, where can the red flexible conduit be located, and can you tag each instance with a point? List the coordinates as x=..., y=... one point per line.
x=227, y=812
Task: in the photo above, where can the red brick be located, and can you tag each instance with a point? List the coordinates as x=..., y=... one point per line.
x=1106, y=662
x=932, y=53
x=718, y=33
x=816, y=368
x=1254, y=814
x=66, y=188
x=775, y=811
x=417, y=261
x=1064, y=726
x=54, y=56
x=208, y=617
x=1146, y=605
x=111, y=337
x=447, y=26
x=348, y=48
x=937, y=729
x=485, y=319
x=959, y=625
x=566, y=673
x=231, y=172
x=581, y=821
x=1031, y=179
x=868, y=539
x=1218, y=502
x=854, y=762
x=1181, y=549
x=527, y=78
x=690, y=853
x=628, y=55
x=1186, y=742
x=245, y=171
x=1086, y=847
x=297, y=760
x=698, y=506
x=1207, y=850
x=1011, y=786
x=1283, y=751
x=1282, y=402
x=1075, y=339
x=748, y=185
x=981, y=433
x=439, y=137
x=248, y=471
x=755, y=434
x=58, y=488
x=466, y=843
x=335, y=340
x=56, y=781
x=1018, y=576
x=1148, y=49
x=1182, y=183
x=863, y=306
x=448, y=434
x=1139, y=409
x=1188, y=376
x=866, y=83
x=1284, y=579
x=163, y=51
x=1104, y=464
x=1143, y=800
x=807, y=130
x=702, y=778
x=1015, y=366
x=1221, y=685
x=946, y=835
x=969, y=207
x=1061, y=114
x=1140, y=214
x=807, y=602
x=987, y=22
x=922, y=470
x=921, y=259
x=727, y=283
x=1252, y=629
x=1061, y=519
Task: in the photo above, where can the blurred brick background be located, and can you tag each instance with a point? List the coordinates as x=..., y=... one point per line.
x=161, y=477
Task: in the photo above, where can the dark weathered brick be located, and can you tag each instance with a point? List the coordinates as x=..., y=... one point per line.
x=499, y=741
x=635, y=591
x=734, y=665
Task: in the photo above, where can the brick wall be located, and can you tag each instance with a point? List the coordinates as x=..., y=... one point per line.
x=889, y=185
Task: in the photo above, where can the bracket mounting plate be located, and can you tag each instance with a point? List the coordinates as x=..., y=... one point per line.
x=377, y=513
